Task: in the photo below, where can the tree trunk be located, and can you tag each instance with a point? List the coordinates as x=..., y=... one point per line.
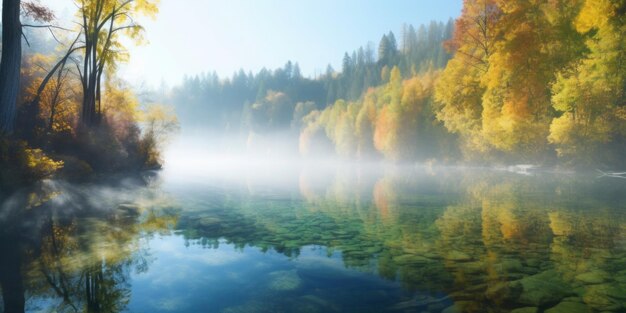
x=10, y=64
x=11, y=278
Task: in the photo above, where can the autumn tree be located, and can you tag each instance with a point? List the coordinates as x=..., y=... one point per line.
x=392, y=121
x=12, y=55
x=397, y=129
x=533, y=47
x=54, y=94
x=460, y=89
x=590, y=96
x=102, y=24
x=272, y=113
x=495, y=92
x=364, y=126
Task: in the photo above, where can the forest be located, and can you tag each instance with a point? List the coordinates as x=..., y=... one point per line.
x=508, y=82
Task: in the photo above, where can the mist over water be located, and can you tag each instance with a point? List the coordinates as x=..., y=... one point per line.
x=201, y=152
x=225, y=231
x=471, y=164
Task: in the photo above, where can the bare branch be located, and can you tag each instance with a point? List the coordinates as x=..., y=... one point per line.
x=27, y=43
x=46, y=26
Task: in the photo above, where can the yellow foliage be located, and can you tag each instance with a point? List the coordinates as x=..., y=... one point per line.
x=120, y=107
x=458, y=102
x=594, y=14
x=159, y=120
x=21, y=164
x=590, y=97
x=385, y=119
x=60, y=100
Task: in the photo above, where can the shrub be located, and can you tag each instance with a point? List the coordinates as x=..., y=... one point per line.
x=20, y=164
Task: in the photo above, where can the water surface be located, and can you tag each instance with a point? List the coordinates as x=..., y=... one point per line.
x=336, y=238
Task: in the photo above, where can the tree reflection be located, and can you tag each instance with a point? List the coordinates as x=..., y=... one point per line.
x=478, y=237
x=80, y=249
x=10, y=274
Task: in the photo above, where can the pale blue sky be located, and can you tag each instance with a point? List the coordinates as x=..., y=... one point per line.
x=193, y=36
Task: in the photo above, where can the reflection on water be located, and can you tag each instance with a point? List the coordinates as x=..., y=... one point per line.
x=69, y=249
x=318, y=240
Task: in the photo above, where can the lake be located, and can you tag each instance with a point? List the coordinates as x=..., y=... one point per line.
x=330, y=238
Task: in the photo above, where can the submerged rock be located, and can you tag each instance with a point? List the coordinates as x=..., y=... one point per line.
x=317, y=301
x=455, y=308
x=526, y=310
x=473, y=267
x=569, y=307
x=458, y=256
x=406, y=259
x=422, y=301
x=542, y=289
x=503, y=292
x=512, y=265
x=593, y=277
x=284, y=280
x=573, y=299
x=461, y=306
x=604, y=297
x=620, y=279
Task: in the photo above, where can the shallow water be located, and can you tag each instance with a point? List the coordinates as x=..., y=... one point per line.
x=336, y=238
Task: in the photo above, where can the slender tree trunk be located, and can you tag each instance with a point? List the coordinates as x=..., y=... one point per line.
x=10, y=64
x=90, y=114
x=55, y=99
x=98, y=96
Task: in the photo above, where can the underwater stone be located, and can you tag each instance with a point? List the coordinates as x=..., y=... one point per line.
x=476, y=288
x=503, y=291
x=463, y=296
x=533, y=263
x=569, y=307
x=473, y=267
x=432, y=256
x=603, y=297
x=432, y=303
x=512, y=265
x=526, y=310
x=459, y=256
x=593, y=277
x=410, y=259
x=455, y=308
x=528, y=270
x=436, y=307
x=316, y=300
x=372, y=250
x=620, y=279
x=284, y=280
x=542, y=289
x=573, y=299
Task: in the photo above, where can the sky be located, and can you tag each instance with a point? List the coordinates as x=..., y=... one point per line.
x=189, y=37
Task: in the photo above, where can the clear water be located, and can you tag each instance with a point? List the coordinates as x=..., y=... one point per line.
x=328, y=239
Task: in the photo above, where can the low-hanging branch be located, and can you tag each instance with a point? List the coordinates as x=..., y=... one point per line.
x=59, y=64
